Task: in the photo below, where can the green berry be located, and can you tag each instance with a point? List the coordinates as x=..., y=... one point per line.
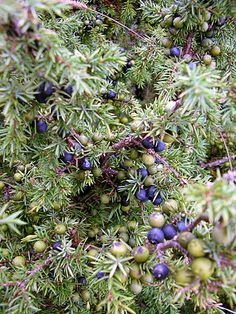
x=18, y=177
x=121, y=175
x=148, y=181
x=147, y=278
x=166, y=42
x=207, y=42
x=133, y=154
x=196, y=248
x=215, y=51
x=2, y=185
x=39, y=246
x=118, y=249
x=97, y=137
x=135, y=271
x=204, y=27
x=202, y=267
x=156, y=220
x=178, y=23
x=105, y=199
x=168, y=20
x=135, y=287
x=92, y=253
x=152, y=169
x=184, y=238
x=85, y=295
x=170, y=206
x=97, y=172
x=207, y=59
x=124, y=236
x=128, y=163
x=123, y=278
x=18, y=196
x=19, y=261
x=60, y=229
x=56, y=205
x=140, y=254
x=184, y=277
x=148, y=159
x=83, y=139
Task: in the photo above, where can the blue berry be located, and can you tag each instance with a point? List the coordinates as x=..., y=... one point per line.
x=111, y=94
x=56, y=246
x=151, y=191
x=45, y=90
x=77, y=145
x=181, y=226
x=129, y=64
x=67, y=157
x=81, y=280
x=48, y=89
x=175, y=52
x=124, y=201
x=122, y=50
x=159, y=146
x=85, y=164
x=141, y=195
x=41, y=126
x=160, y=271
x=169, y=231
x=155, y=236
x=68, y=89
x=147, y=142
x=158, y=200
x=100, y=275
x=143, y=172
x=192, y=65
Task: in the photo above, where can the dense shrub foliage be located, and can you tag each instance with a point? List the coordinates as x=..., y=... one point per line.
x=117, y=156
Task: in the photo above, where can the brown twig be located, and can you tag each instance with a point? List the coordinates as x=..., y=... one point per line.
x=185, y=289
x=192, y=225
x=129, y=141
x=187, y=47
x=218, y=162
x=167, y=245
x=165, y=163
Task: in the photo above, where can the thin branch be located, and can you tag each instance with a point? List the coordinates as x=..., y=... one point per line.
x=218, y=162
x=185, y=289
x=226, y=148
x=165, y=163
x=187, y=47
x=192, y=225
x=167, y=245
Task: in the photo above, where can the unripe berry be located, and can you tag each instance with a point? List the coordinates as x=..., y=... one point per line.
x=196, y=248
x=39, y=246
x=60, y=229
x=19, y=261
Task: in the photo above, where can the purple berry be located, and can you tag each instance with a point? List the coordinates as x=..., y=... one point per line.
x=169, y=231
x=67, y=157
x=81, y=280
x=155, y=236
x=85, y=164
x=157, y=200
x=175, y=52
x=151, y=191
x=41, y=126
x=181, y=226
x=111, y=94
x=143, y=172
x=160, y=271
x=147, y=142
x=141, y=195
x=122, y=50
x=192, y=65
x=124, y=201
x=68, y=90
x=77, y=145
x=56, y=246
x=159, y=146
x=100, y=275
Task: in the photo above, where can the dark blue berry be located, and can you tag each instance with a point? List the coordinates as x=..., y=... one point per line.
x=160, y=271
x=221, y=21
x=124, y=201
x=45, y=90
x=122, y=50
x=85, y=164
x=77, y=145
x=151, y=191
x=192, y=65
x=181, y=226
x=67, y=157
x=148, y=142
x=81, y=280
x=114, y=82
x=129, y=64
x=175, y=52
x=157, y=200
x=111, y=94
x=100, y=274
x=68, y=89
x=143, y=172
x=48, y=89
x=122, y=166
x=210, y=33
x=56, y=246
x=41, y=126
x=155, y=236
x=169, y=231
x=98, y=17
x=141, y=195
x=159, y=146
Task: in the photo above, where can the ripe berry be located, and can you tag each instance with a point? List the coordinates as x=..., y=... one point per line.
x=202, y=267
x=157, y=200
x=111, y=94
x=160, y=271
x=141, y=195
x=41, y=126
x=148, y=159
x=140, y=254
x=196, y=248
x=215, y=51
x=118, y=249
x=169, y=231
x=44, y=91
x=18, y=177
x=181, y=226
x=56, y=246
x=155, y=236
x=19, y=261
x=85, y=164
x=159, y=146
x=39, y=246
x=221, y=21
x=175, y=52
x=81, y=280
x=151, y=191
x=68, y=90
x=122, y=50
x=124, y=201
x=100, y=275
x=67, y=157
x=60, y=229
x=156, y=220
x=184, y=238
x=135, y=287
x=143, y=172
